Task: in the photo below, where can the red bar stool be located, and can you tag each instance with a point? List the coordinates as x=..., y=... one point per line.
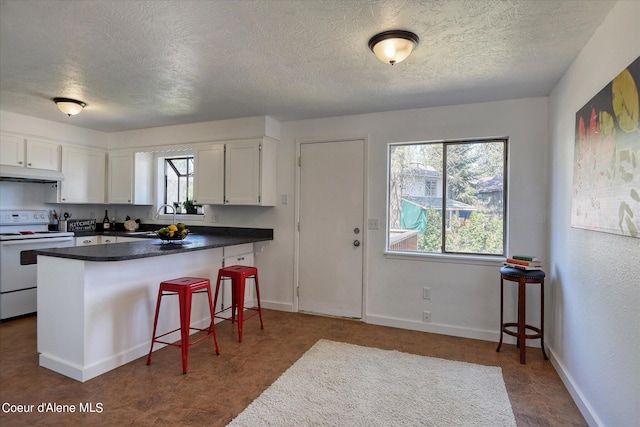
x=522, y=277
x=184, y=287
x=238, y=275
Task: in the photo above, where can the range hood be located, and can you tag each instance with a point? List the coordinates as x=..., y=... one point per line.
x=21, y=174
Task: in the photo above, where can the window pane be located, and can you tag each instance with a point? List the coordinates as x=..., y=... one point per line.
x=179, y=180
x=474, y=198
x=415, y=197
x=463, y=180
x=171, y=194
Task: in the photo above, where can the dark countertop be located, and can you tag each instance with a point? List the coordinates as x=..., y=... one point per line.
x=200, y=238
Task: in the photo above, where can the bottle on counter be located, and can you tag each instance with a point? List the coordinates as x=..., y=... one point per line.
x=106, y=223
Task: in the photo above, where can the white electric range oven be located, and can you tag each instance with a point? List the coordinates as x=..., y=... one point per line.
x=21, y=233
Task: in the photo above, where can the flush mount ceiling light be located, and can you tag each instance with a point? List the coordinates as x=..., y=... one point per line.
x=393, y=46
x=70, y=107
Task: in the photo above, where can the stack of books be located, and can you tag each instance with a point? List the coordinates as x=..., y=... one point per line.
x=524, y=262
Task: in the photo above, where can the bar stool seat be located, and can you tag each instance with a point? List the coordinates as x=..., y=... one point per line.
x=238, y=275
x=522, y=277
x=184, y=287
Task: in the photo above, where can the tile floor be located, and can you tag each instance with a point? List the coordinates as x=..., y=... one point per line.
x=217, y=388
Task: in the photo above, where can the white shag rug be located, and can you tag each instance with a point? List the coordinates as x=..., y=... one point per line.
x=338, y=384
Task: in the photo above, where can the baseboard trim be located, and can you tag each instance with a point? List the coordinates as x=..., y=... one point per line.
x=274, y=305
x=578, y=397
x=435, y=328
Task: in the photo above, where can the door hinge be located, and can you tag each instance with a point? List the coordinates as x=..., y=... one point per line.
x=298, y=291
x=259, y=199
x=259, y=147
x=298, y=226
x=299, y=161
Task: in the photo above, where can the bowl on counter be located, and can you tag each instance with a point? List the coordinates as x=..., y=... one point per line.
x=177, y=237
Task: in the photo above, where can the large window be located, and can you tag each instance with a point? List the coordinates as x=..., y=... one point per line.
x=448, y=197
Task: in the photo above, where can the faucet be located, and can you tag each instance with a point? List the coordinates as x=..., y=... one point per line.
x=166, y=205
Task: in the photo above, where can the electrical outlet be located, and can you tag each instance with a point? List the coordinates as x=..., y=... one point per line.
x=214, y=218
x=426, y=316
x=372, y=224
x=426, y=293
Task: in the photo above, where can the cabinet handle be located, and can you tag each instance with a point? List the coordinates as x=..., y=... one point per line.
x=19, y=163
x=28, y=164
x=86, y=241
x=241, y=259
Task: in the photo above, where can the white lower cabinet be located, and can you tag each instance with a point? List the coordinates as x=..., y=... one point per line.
x=87, y=240
x=238, y=255
x=104, y=240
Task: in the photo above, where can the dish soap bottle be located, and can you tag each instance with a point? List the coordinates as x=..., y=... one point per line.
x=106, y=223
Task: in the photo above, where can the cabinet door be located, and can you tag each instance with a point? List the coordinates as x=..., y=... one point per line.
x=242, y=173
x=43, y=155
x=208, y=183
x=143, y=178
x=121, y=176
x=249, y=291
x=84, y=175
x=87, y=241
x=11, y=150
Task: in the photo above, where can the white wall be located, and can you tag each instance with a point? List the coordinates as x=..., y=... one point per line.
x=464, y=297
x=594, y=322
x=59, y=132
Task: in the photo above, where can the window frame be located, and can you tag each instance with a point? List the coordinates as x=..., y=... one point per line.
x=445, y=255
x=168, y=162
x=160, y=157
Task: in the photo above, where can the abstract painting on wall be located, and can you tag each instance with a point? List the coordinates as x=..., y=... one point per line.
x=606, y=170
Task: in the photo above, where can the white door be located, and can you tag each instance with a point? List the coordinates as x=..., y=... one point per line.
x=331, y=216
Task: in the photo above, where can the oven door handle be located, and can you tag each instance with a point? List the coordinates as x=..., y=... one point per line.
x=38, y=241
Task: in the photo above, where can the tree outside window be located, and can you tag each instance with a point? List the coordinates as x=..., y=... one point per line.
x=448, y=197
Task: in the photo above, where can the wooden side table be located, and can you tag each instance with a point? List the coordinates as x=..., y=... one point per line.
x=522, y=277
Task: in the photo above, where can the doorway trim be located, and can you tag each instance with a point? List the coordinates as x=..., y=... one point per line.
x=365, y=231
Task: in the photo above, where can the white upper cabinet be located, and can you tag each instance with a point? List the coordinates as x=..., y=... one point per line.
x=43, y=155
x=239, y=172
x=242, y=173
x=84, y=175
x=12, y=150
x=121, y=170
x=130, y=177
x=27, y=152
x=208, y=181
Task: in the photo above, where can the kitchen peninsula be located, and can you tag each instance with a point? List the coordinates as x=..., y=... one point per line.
x=96, y=303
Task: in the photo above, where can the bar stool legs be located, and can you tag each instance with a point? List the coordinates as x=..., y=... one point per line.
x=238, y=275
x=522, y=277
x=184, y=287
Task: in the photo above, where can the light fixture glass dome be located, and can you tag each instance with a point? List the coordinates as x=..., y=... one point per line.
x=69, y=106
x=394, y=46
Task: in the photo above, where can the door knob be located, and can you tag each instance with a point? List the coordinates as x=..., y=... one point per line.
x=356, y=230
x=356, y=243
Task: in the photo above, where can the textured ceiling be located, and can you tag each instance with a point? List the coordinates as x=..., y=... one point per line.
x=140, y=64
